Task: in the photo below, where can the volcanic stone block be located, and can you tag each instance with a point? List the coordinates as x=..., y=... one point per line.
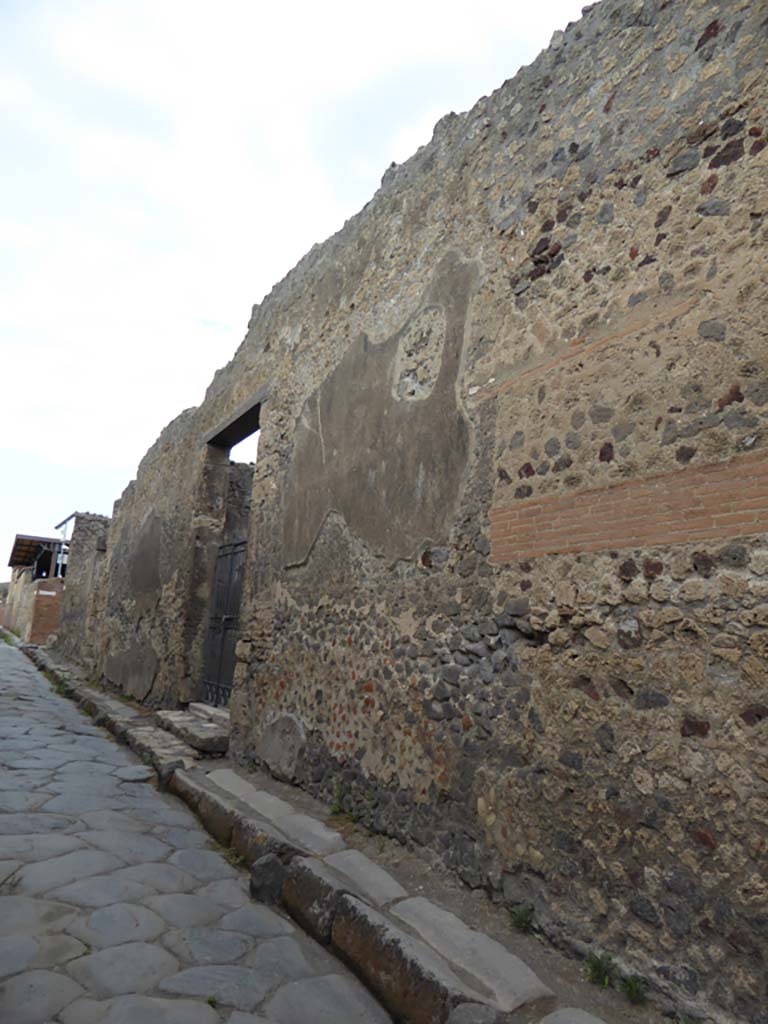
x=512, y=982
x=311, y=893
x=412, y=981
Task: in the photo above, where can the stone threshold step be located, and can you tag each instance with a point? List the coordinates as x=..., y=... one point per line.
x=205, y=734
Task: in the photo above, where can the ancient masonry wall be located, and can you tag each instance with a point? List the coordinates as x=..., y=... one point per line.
x=83, y=598
x=507, y=579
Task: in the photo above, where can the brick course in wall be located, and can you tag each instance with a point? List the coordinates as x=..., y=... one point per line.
x=47, y=610
x=727, y=499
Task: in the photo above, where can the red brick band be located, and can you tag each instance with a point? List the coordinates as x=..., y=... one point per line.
x=724, y=499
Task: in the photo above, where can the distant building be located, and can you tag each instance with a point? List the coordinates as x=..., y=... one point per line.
x=33, y=606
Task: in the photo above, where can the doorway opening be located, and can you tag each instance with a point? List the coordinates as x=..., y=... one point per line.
x=235, y=448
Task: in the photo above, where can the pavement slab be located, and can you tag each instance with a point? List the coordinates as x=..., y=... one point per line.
x=118, y=970
x=324, y=1000
x=117, y=924
x=36, y=996
x=117, y=908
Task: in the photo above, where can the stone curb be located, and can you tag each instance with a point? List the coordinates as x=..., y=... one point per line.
x=409, y=976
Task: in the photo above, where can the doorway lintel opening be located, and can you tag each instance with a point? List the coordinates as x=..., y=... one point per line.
x=243, y=422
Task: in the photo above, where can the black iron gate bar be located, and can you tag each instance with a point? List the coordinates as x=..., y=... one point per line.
x=219, y=652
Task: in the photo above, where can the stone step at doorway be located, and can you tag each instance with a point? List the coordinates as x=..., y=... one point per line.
x=204, y=728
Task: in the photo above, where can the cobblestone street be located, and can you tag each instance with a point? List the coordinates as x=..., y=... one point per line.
x=115, y=907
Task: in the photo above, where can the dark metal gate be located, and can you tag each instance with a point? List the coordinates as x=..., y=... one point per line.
x=219, y=654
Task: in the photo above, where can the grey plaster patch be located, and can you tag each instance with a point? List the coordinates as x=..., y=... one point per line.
x=330, y=999
x=119, y=970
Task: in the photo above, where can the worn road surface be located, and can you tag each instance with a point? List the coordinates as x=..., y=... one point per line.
x=115, y=906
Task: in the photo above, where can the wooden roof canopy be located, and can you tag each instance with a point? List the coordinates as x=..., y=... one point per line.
x=26, y=548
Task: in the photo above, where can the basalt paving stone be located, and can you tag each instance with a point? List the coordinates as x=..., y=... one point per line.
x=71, y=867
x=135, y=773
x=22, y=779
x=229, y=985
x=122, y=821
x=24, y=915
x=25, y=824
x=182, y=910
x=133, y=901
x=257, y=921
x=80, y=801
x=101, y=891
x=54, y=950
x=77, y=785
x=163, y=878
x=11, y=801
x=131, y=847
x=205, y=865
x=183, y=838
x=38, y=847
x=280, y=959
x=134, y=967
x=200, y=945
x=159, y=813
x=8, y=868
x=16, y=953
x=146, y=1010
x=36, y=996
x=116, y=924
x=327, y=1000
x=229, y=892
x=76, y=767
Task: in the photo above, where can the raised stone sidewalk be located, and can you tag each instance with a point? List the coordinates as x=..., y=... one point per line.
x=423, y=964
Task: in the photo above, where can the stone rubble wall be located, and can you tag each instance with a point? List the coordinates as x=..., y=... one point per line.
x=507, y=578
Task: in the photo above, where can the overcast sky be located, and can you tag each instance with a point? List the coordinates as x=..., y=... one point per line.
x=162, y=164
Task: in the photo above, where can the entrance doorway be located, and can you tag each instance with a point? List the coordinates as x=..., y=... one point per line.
x=229, y=572
x=219, y=652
